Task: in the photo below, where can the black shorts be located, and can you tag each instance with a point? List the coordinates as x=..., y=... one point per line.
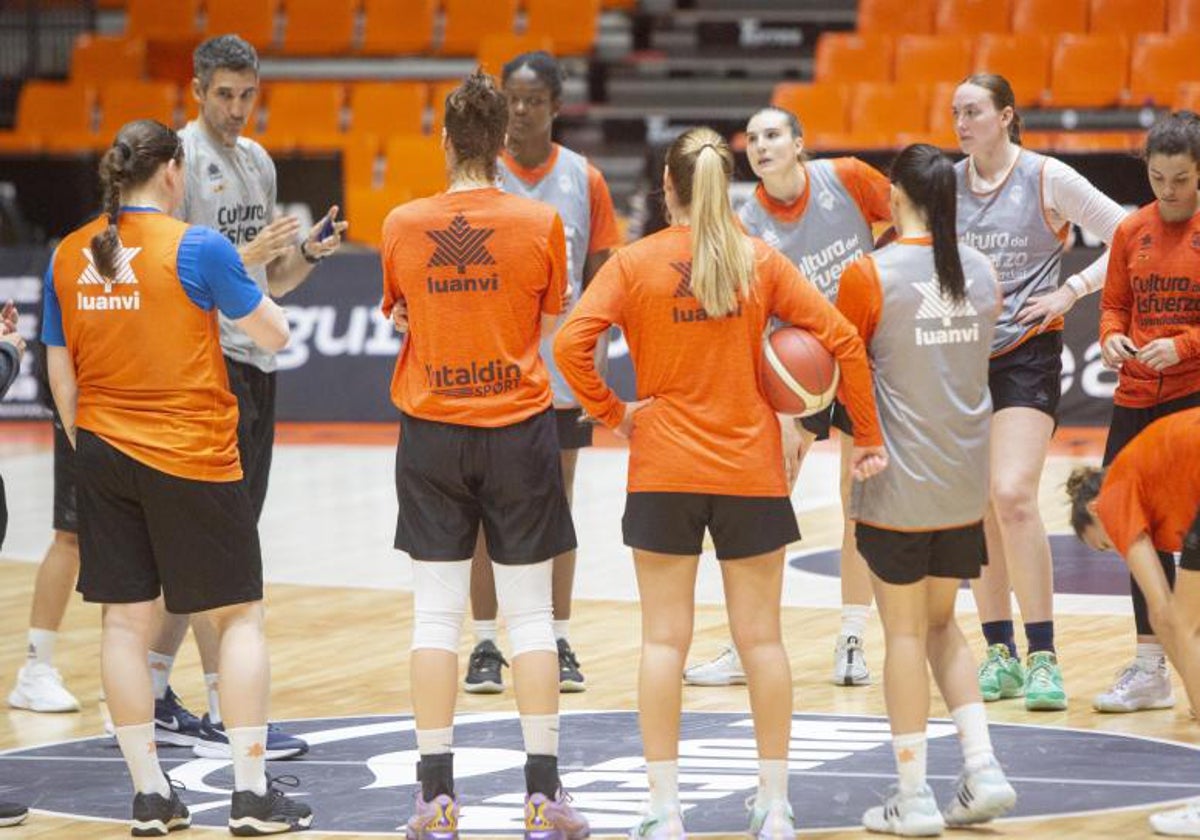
x=1189, y=558
x=1128, y=423
x=1029, y=375
x=571, y=433
x=741, y=526
x=903, y=557
x=834, y=417
x=66, y=516
x=255, y=393
x=451, y=478
x=143, y=532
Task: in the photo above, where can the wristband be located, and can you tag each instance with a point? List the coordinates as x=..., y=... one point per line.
x=308, y=258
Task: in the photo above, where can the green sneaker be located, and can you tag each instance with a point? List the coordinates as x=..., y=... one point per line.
x=1001, y=675
x=1044, y=683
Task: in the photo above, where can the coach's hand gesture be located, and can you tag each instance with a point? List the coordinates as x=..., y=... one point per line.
x=272, y=242
x=325, y=236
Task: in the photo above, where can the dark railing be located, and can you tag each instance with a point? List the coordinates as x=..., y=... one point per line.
x=35, y=42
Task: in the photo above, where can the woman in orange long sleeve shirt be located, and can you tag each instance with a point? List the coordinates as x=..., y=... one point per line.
x=693, y=301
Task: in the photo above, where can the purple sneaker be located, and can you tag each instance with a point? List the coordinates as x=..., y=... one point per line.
x=436, y=820
x=553, y=819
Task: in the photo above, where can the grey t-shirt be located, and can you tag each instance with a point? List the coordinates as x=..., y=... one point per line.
x=233, y=191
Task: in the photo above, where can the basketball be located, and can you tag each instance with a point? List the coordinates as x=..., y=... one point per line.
x=799, y=376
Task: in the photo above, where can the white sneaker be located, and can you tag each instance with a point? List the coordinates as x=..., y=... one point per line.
x=726, y=669
x=39, y=688
x=775, y=822
x=1139, y=685
x=981, y=795
x=912, y=815
x=849, y=662
x=1182, y=822
x=655, y=827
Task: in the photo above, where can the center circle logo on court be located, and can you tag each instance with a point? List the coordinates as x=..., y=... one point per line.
x=359, y=773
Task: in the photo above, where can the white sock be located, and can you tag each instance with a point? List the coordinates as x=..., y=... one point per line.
x=435, y=741
x=485, y=631
x=540, y=733
x=854, y=619
x=772, y=782
x=249, y=747
x=160, y=673
x=1149, y=654
x=971, y=721
x=910, y=760
x=141, y=756
x=561, y=628
x=41, y=645
x=211, y=684
x=664, y=787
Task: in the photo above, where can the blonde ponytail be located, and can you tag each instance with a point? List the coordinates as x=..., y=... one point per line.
x=700, y=164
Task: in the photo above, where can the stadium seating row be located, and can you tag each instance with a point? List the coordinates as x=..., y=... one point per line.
x=1069, y=70
x=1033, y=17
x=366, y=27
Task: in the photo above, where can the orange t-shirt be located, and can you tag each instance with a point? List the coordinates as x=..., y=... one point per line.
x=148, y=364
x=869, y=188
x=477, y=270
x=1153, y=291
x=1153, y=485
x=604, y=234
x=709, y=429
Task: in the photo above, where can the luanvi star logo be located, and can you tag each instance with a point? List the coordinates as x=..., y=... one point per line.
x=124, y=274
x=935, y=305
x=684, y=289
x=461, y=245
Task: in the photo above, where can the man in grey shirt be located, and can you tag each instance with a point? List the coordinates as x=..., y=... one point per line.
x=231, y=187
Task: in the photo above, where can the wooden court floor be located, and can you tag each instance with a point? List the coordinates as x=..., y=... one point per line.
x=339, y=651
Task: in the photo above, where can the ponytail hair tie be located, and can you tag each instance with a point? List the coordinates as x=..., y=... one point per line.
x=125, y=149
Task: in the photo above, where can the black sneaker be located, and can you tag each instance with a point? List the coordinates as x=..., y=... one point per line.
x=12, y=814
x=157, y=816
x=570, y=678
x=251, y=815
x=483, y=669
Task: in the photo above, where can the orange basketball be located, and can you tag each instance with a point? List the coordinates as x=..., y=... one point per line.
x=799, y=376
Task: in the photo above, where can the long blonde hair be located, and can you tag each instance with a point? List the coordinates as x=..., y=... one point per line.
x=699, y=164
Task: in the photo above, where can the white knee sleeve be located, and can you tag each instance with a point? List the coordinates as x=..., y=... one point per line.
x=441, y=591
x=524, y=594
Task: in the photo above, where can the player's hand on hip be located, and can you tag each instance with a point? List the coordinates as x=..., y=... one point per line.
x=1043, y=309
x=1159, y=354
x=272, y=242
x=1117, y=349
x=866, y=461
x=625, y=427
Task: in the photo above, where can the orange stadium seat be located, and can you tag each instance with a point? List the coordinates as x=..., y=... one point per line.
x=820, y=107
x=397, y=26
x=438, y=91
x=46, y=110
x=303, y=116
x=162, y=20
x=1049, y=17
x=1088, y=71
x=318, y=27
x=367, y=209
x=254, y=20
x=360, y=156
x=1187, y=97
x=895, y=17
x=123, y=101
x=971, y=17
x=1183, y=16
x=1041, y=141
x=107, y=57
x=1022, y=59
x=932, y=58
x=383, y=108
x=414, y=164
x=1160, y=63
x=569, y=24
x=468, y=21
x=1088, y=142
x=880, y=112
x=847, y=57
x=1127, y=17
x=497, y=50
x=941, y=120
